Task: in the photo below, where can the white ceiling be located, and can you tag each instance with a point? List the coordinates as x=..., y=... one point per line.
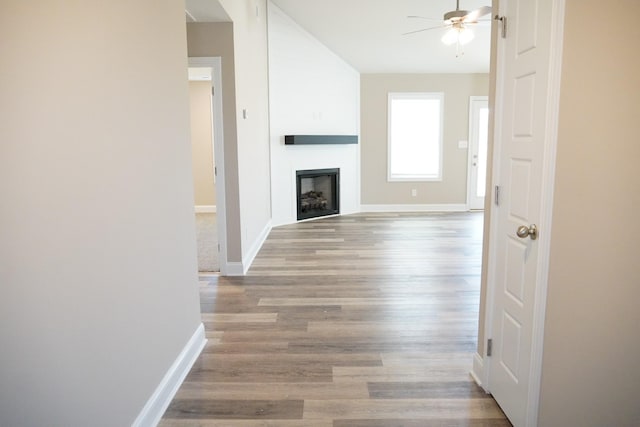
x=368, y=33
x=205, y=11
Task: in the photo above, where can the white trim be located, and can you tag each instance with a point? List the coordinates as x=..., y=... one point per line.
x=218, y=148
x=477, y=371
x=546, y=209
x=247, y=260
x=205, y=208
x=459, y=207
x=493, y=214
x=232, y=269
x=315, y=218
x=157, y=404
x=241, y=268
x=193, y=19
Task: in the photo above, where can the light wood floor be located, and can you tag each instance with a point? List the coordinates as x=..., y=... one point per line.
x=365, y=320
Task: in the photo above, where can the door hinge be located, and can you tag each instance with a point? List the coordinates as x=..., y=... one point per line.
x=489, y=347
x=215, y=171
x=213, y=90
x=218, y=247
x=497, y=195
x=503, y=21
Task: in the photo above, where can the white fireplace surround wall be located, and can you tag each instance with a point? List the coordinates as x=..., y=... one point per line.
x=312, y=92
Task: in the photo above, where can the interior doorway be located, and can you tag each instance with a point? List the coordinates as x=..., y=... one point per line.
x=203, y=165
x=528, y=68
x=478, y=140
x=208, y=162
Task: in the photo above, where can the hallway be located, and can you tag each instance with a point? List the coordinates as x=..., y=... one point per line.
x=364, y=320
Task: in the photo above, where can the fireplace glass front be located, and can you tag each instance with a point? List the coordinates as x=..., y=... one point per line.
x=317, y=192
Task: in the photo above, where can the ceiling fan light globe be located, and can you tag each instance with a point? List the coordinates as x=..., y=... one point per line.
x=465, y=36
x=450, y=37
x=460, y=35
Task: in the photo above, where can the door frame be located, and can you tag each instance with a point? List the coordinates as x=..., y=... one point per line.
x=215, y=63
x=473, y=132
x=546, y=214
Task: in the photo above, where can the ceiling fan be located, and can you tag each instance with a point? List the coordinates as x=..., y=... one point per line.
x=458, y=22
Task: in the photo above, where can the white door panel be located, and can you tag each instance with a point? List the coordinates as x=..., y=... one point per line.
x=521, y=140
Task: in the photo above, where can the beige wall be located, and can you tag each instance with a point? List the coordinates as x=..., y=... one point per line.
x=592, y=330
x=98, y=291
x=202, y=143
x=210, y=40
x=457, y=89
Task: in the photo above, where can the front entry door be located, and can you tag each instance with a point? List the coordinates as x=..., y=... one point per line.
x=522, y=136
x=478, y=136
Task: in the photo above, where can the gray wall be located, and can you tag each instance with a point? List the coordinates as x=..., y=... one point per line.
x=242, y=45
x=373, y=110
x=592, y=340
x=252, y=94
x=98, y=290
x=216, y=39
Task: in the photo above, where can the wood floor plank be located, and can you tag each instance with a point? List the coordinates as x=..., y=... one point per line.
x=384, y=301
x=166, y=422
x=366, y=320
x=277, y=391
x=402, y=408
x=426, y=390
x=257, y=373
x=264, y=348
x=401, y=374
x=207, y=361
x=489, y=422
x=240, y=317
x=382, y=345
x=235, y=409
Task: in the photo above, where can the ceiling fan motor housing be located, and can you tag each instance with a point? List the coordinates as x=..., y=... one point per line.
x=455, y=15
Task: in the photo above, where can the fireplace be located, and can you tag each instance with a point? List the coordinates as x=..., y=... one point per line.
x=318, y=192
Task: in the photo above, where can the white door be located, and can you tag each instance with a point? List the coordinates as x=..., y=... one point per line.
x=525, y=136
x=478, y=135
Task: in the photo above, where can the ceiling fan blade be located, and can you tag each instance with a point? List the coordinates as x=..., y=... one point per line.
x=424, y=17
x=425, y=29
x=475, y=14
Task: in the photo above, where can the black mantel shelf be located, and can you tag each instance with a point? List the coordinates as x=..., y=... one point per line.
x=320, y=139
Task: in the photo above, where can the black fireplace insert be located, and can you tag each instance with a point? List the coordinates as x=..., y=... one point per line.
x=318, y=192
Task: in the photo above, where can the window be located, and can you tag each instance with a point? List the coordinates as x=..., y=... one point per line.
x=415, y=137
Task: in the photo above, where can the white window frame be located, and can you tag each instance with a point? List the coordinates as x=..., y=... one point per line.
x=439, y=96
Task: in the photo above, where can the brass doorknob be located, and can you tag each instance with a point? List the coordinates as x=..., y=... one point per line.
x=530, y=231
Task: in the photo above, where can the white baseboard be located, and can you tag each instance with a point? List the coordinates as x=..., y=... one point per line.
x=232, y=269
x=205, y=209
x=159, y=401
x=241, y=268
x=461, y=207
x=477, y=372
x=247, y=260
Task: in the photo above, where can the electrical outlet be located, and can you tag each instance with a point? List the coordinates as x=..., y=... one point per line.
x=414, y=192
